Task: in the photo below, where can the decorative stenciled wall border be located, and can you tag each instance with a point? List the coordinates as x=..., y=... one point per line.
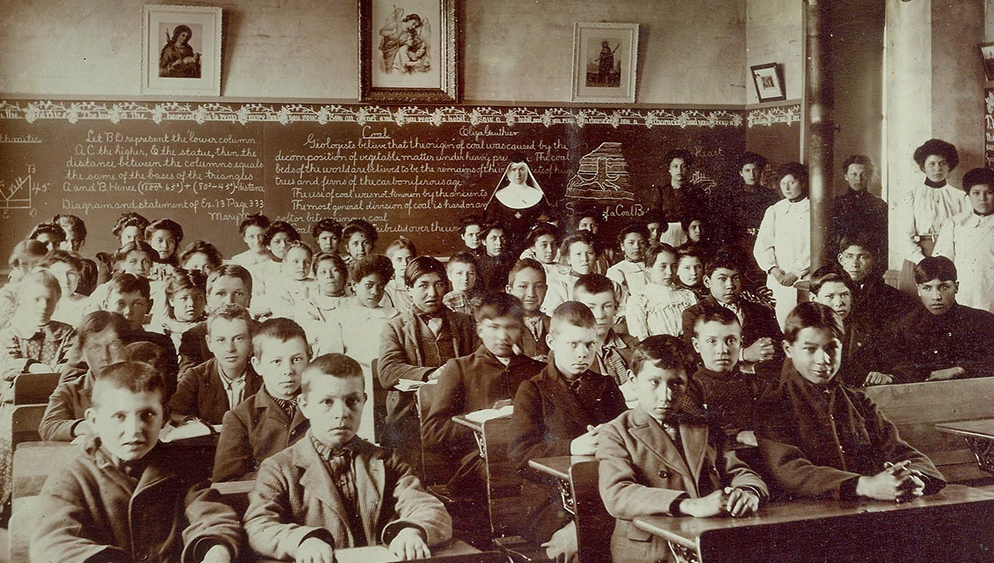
x=115, y=112
x=766, y=117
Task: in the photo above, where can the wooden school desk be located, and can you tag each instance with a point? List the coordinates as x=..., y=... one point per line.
x=952, y=525
x=979, y=436
x=576, y=477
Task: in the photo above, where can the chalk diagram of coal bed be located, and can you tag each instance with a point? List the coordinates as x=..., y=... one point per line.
x=602, y=174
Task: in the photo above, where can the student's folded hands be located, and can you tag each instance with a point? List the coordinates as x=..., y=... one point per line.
x=409, y=543
x=897, y=482
x=730, y=500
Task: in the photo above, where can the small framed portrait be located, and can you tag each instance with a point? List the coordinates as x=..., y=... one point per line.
x=768, y=79
x=987, y=57
x=181, y=50
x=604, y=62
x=408, y=51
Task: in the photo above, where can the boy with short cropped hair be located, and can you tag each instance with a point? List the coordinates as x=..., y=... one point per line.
x=867, y=357
x=495, y=260
x=526, y=281
x=876, y=305
x=416, y=344
x=941, y=339
x=559, y=412
x=101, y=341
x=463, y=272
x=334, y=490
x=229, y=284
x=131, y=296
x=207, y=391
x=488, y=376
x=820, y=438
x=727, y=394
x=723, y=277
x=630, y=272
x=615, y=345
x=268, y=421
x=127, y=497
x=659, y=459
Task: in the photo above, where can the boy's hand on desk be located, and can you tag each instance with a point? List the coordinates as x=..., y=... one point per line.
x=948, y=373
x=741, y=502
x=704, y=507
x=217, y=554
x=585, y=444
x=409, y=544
x=315, y=550
x=877, y=378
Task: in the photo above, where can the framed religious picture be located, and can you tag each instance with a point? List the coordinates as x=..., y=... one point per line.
x=987, y=57
x=408, y=51
x=604, y=62
x=181, y=50
x=768, y=79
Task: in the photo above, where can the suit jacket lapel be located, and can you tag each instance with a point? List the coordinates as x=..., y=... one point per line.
x=695, y=440
x=317, y=480
x=370, y=479
x=411, y=328
x=651, y=433
x=560, y=394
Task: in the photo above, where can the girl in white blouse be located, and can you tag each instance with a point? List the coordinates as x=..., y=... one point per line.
x=927, y=206
x=783, y=244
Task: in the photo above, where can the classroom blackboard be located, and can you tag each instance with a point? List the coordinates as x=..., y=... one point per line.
x=409, y=170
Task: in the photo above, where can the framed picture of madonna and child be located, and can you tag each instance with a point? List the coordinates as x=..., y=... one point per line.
x=408, y=51
x=181, y=50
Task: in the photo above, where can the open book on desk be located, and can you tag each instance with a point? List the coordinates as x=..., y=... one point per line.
x=408, y=385
x=185, y=431
x=490, y=414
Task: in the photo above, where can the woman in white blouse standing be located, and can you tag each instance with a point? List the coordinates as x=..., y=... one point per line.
x=923, y=210
x=783, y=244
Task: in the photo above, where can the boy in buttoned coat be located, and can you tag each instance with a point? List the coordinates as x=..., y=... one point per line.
x=657, y=459
x=334, y=490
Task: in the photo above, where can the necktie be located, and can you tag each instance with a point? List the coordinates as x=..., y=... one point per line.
x=673, y=431
x=614, y=364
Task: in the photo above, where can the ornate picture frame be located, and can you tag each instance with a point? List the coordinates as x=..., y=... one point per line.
x=768, y=79
x=181, y=50
x=605, y=59
x=409, y=51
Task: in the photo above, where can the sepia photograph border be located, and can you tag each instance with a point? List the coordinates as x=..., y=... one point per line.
x=210, y=18
x=775, y=93
x=448, y=57
x=625, y=92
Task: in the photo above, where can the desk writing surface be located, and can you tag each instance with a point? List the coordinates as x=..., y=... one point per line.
x=381, y=554
x=952, y=525
x=983, y=428
x=558, y=466
x=473, y=425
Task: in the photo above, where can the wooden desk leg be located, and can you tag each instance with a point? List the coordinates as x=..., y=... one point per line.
x=983, y=450
x=682, y=554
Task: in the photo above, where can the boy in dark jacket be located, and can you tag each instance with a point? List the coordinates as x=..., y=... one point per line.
x=128, y=496
x=821, y=439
